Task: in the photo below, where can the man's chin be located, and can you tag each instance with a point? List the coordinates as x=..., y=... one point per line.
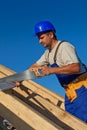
x=45, y=46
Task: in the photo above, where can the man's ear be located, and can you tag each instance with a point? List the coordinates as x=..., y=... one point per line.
x=51, y=34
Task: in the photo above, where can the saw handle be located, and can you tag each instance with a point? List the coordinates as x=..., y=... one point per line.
x=37, y=71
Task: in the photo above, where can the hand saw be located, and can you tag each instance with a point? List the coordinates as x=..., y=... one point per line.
x=7, y=82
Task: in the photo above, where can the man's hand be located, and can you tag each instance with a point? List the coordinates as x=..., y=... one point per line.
x=40, y=70
x=18, y=83
x=45, y=70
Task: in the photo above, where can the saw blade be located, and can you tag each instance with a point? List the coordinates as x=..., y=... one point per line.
x=6, y=86
x=26, y=75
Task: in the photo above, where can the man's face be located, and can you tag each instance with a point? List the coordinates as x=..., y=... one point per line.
x=46, y=39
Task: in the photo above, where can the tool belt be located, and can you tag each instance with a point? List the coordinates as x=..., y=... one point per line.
x=74, y=85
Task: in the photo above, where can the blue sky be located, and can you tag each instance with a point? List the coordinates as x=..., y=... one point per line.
x=19, y=48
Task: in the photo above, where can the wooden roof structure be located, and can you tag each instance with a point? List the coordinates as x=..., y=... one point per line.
x=34, y=107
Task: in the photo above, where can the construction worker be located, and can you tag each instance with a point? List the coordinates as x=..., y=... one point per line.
x=60, y=58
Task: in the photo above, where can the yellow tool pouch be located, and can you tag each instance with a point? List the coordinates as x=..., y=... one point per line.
x=74, y=85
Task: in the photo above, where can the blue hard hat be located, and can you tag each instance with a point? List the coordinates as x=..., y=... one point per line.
x=44, y=26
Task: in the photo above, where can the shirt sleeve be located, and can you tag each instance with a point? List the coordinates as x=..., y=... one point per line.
x=43, y=60
x=68, y=54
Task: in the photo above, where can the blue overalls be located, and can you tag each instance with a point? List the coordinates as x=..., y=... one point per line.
x=78, y=106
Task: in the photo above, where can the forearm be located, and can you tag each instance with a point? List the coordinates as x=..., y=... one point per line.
x=68, y=69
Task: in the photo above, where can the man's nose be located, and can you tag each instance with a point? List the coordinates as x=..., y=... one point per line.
x=40, y=40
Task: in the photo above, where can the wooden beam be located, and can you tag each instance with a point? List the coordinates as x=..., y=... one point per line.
x=41, y=100
x=46, y=93
x=26, y=113
x=51, y=111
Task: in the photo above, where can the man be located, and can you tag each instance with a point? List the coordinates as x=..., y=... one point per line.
x=60, y=58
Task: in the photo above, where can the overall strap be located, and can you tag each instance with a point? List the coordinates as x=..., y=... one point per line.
x=57, y=50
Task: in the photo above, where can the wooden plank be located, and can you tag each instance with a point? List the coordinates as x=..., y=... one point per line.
x=51, y=111
x=6, y=70
x=63, y=116
x=46, y=93
x=18, y=123
x=51, y=96
x=44, y=99
x=25, y=113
